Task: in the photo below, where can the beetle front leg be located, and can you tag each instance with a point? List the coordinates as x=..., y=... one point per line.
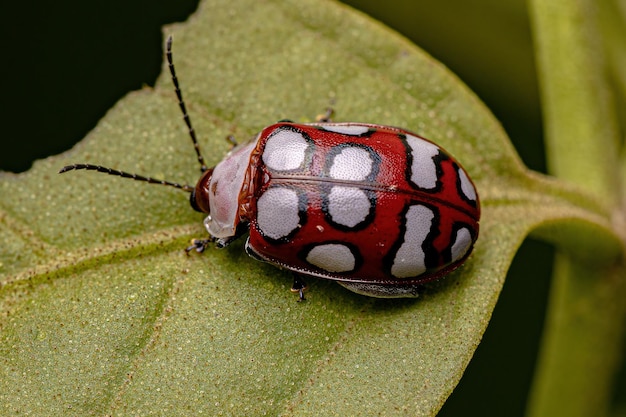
x=199, y=245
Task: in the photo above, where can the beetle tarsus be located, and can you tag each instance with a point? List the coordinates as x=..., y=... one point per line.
x=326, y=117
x=298, y=286
x=199, y=245
x=232, y=140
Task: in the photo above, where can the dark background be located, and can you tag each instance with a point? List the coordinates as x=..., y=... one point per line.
x=66, y=62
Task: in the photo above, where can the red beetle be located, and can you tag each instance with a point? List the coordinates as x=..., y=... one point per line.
x=376, y=208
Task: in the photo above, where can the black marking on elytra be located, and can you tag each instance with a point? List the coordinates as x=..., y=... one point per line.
x=446, y=254
x=464, y=197
x=437, y=159
x=369, y=132
x=431, y=255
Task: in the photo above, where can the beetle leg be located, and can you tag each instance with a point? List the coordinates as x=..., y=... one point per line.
x=298, y=286
x=224, y=241
x=326, y=117
x=232, y=140
x=199, y=245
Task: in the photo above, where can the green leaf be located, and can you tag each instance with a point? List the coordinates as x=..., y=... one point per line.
x=102, y=312
x=584, y=325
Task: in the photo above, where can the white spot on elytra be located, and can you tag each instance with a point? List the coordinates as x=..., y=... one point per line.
x=351, y=164
x=332, y=257
x=348, y=206
x=344, y=129
x=462, y=243
x=277, y=212
x=423, y=168
x=466, y=186
x=410, y=258
x=285, y=150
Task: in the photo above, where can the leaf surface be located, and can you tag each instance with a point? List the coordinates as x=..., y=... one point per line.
x=102, y=312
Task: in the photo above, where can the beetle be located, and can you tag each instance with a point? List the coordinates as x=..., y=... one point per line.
x=376, y=208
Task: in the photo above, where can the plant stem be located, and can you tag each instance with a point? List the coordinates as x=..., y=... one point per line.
x=582, y=335
x=579, y=118
x=581, y=346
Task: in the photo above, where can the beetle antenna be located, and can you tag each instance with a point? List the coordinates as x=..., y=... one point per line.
x=181, y=104
x=115, y=172
x=192, y=133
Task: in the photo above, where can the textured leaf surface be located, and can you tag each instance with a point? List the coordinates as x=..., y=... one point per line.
x=102, y=312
